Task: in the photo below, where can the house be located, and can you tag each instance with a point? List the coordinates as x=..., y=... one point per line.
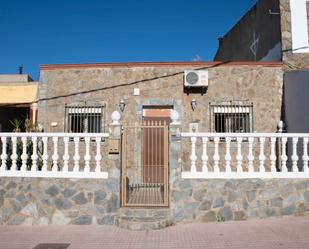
x=146, y=145
x=17, y=101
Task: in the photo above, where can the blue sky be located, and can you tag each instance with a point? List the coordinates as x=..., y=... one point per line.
x=65, y=31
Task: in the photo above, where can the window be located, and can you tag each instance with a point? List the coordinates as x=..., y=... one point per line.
x=84, y=119
x=231, y=118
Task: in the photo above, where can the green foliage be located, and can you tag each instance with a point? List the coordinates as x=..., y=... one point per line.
x=17, y=124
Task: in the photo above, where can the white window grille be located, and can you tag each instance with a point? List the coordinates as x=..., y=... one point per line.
x=231, y=118
x=84, y=119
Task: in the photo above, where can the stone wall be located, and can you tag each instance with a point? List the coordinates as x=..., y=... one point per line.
x=224, y=200
x=43, y=201
x=61, y=201
x=162, y=86
x=292, y=61
x=205, y=200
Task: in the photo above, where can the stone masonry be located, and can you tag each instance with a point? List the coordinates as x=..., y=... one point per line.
x=292, y=61
x=161, y=86
x=43, y=201
x=224, y=200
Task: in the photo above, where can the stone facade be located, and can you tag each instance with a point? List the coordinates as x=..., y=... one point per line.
x=161, y=86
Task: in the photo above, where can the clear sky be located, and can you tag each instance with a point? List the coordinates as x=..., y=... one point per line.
x=35, y=32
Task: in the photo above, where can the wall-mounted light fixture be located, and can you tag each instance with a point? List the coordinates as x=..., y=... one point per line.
x=193, y=104
x=122, y=105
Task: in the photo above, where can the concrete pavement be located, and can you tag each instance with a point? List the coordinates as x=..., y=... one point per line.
x=283, y=233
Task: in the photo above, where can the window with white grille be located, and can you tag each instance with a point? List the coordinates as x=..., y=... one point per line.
x=231, y=118
x=84, y=119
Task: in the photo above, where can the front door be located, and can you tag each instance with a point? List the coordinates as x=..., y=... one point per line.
x=153, y=145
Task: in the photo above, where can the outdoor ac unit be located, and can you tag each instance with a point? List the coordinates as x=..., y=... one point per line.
x=196, y=78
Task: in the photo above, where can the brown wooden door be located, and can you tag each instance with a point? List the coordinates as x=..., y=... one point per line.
x=153, y=151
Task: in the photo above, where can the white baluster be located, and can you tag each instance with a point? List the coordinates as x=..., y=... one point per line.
x=98, y=156
x=284, y=157
x=34, y=156
x=193, y=156
x=24, y=155
x=66, y=156
x=204, y=155
x=76, y=155
x=272, y=156
x=87, y=156
x=216, y=156
x=45, y=153
x=239, y=157
x=228, y=155
x=305, y=154
x=14, y=154
x=261, y=156
x=4, y=155
x=55, y=156
x=250, y=155
x=294, y=155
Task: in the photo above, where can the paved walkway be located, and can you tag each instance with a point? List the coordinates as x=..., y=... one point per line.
x=283, y=233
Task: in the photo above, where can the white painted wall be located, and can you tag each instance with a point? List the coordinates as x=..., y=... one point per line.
x=299, y=23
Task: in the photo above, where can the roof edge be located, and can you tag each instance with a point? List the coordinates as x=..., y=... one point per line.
x=161, y=64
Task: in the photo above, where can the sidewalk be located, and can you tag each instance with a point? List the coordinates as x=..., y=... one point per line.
x=283, y=233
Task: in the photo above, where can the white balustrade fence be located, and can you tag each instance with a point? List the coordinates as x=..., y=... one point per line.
x=245, y=155
x=64, y=155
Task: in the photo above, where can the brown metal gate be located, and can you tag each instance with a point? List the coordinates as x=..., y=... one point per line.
x=145, y=164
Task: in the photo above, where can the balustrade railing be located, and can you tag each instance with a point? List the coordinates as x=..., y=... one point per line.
x=64, y=155
x=245, y=155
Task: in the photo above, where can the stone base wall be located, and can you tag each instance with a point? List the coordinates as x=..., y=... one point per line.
x=43, y=201
x=223, y=200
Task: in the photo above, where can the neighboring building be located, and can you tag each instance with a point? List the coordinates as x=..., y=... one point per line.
x=17, y=101
x=272, y=30
x=276, y=30
x=256, y=37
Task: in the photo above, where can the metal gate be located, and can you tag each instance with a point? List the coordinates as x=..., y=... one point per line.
x=145, y=165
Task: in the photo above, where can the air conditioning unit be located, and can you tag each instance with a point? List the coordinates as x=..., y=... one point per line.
x=196, y=78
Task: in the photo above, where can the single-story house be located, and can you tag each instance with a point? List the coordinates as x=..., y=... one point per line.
x=147, y=145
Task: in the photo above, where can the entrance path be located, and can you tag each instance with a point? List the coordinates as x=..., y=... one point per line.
x=283, y=233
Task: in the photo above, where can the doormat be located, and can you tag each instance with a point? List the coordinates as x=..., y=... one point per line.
x=52, y=246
